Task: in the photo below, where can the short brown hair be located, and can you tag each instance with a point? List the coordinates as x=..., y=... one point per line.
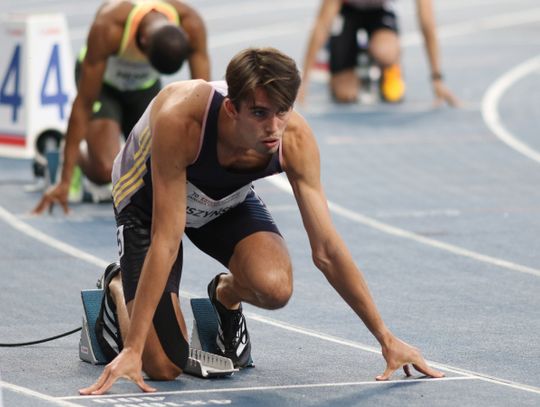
x=267, y=68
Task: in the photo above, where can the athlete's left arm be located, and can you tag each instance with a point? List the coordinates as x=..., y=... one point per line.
x=301, y=162
x=426, y=18
x=193, y=25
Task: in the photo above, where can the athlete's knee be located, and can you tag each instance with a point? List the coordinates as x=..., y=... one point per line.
x=276, y=289
x=344, y=86
x=344, y=96
x=385, y=54
x=100, y=173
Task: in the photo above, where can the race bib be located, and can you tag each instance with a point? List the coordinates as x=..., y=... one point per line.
x=126, y=75
x=201, y=209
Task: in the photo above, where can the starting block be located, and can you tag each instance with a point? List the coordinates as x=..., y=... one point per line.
x=205, y=327
x=89, y=350
x=203, y=360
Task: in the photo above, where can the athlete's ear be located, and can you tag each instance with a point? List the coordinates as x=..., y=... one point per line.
x=230, y=108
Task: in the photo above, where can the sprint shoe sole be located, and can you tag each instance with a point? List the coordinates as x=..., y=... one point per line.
x=107, y=328
x=232, y=337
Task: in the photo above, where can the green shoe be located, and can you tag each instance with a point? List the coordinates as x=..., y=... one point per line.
x=75, y=194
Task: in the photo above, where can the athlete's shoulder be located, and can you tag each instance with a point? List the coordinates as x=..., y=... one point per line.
x=177, y=116
x=299, y=143
x=114, y=11
x=108, y=25
x=298, y=128
x=191, y=21
x=184, y=98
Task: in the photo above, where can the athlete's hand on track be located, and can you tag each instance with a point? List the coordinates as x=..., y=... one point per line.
x=55, y=194
x=128, y=365
x=400, y=354
x=444, y=95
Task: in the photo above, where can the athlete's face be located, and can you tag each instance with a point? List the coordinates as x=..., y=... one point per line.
x=261, y=124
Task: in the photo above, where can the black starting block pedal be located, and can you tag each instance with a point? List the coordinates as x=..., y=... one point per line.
x=205, y=327
x=204, y=360
x=89, y=350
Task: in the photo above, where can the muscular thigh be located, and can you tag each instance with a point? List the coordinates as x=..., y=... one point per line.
x=103, y=142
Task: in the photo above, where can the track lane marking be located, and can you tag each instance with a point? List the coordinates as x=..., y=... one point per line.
x=491, y=100
x=281, y=183
x=277, y=387
x=34, y=394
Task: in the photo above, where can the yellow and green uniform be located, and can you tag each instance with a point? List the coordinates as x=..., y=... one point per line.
x=130, y=82
x=129, y=68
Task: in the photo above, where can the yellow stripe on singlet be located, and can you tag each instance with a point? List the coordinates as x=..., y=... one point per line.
x=132, y=179
x=139, y=158
x=135, y=186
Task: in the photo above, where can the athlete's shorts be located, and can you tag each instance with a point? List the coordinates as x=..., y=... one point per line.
x=124, y=107
x=343, y=43
x=217, y=238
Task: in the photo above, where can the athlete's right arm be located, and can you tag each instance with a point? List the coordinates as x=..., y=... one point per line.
x=319, y=35
x=175, y=122
x=102, y=42
x=193, y=23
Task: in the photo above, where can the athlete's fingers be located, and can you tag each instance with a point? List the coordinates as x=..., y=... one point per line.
x=423, y=368
x=41, y=206
x=407, y=370
x=453, y=101
x=143, y=386
x=447, y=96
x=65, y=207
x=386, y=375
x=90, y=389
x=105, y=386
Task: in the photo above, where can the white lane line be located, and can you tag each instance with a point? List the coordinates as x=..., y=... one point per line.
x=371, y=349
x=467, y=5
x=278, y=387
x=250, y=35
x=50, y=241
x=235, y=37
x=32, y=232
x=407, y=40
x=34, y=394
x=481, y=24
x=491, y=100
x=282, y=183
x=255, y=8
